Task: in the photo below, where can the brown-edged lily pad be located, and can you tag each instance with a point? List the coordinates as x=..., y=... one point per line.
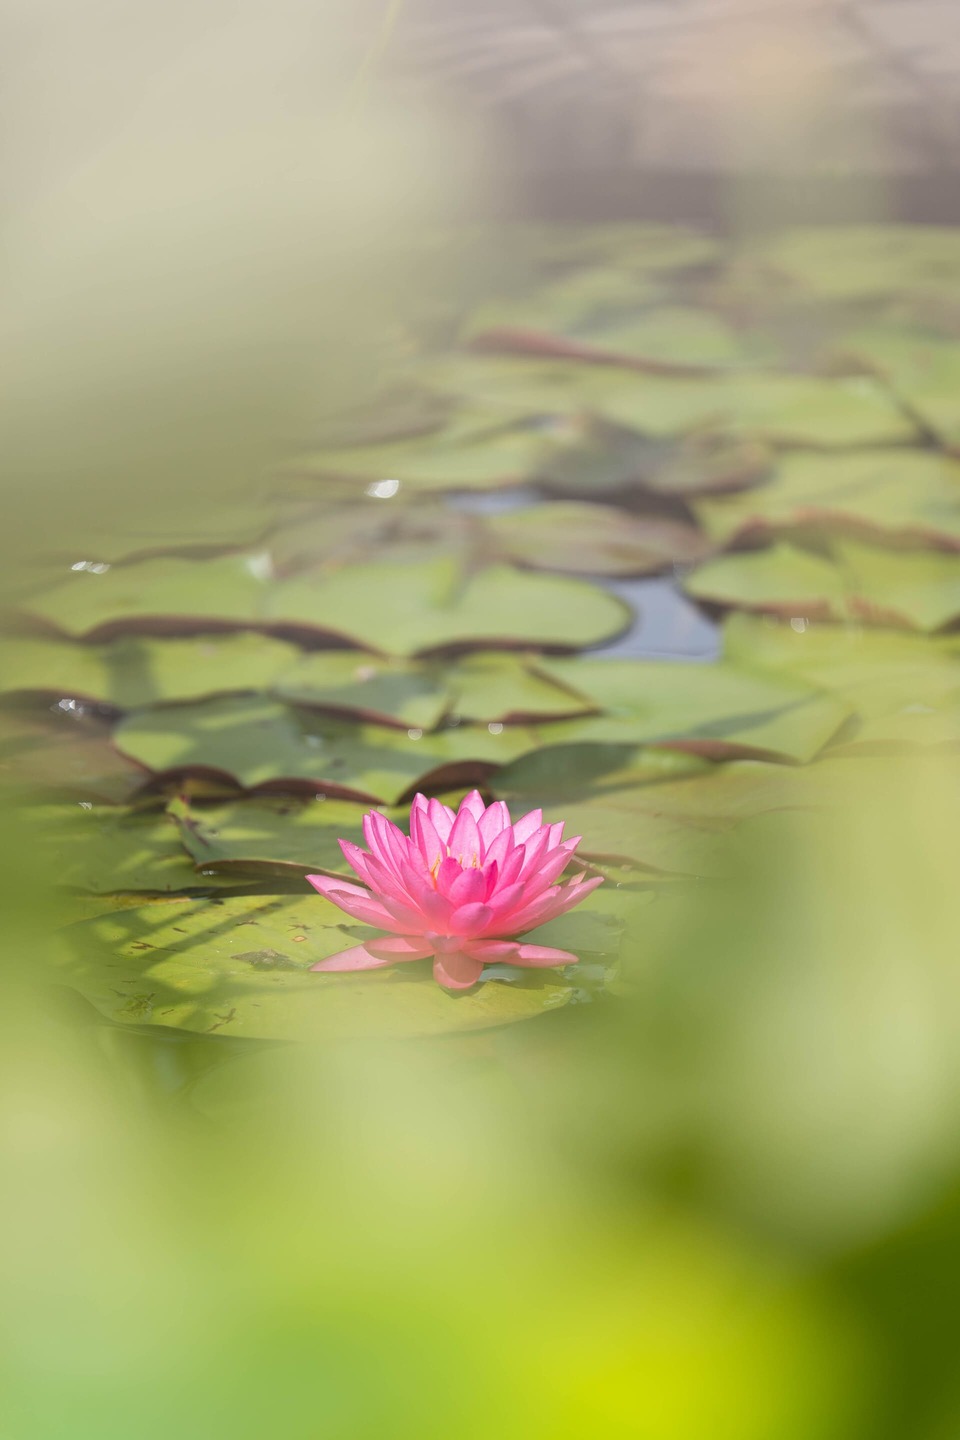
x=915, y=589
x=257, y=742
x=913, y=495
x=718, y=711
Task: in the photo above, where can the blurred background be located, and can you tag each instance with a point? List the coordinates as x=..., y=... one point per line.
x=716, y=1192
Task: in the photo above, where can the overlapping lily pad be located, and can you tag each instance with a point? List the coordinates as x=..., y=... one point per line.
x=781, y=409
x=105, y=849
x=65, y=752
x=418, y=694
x=256, y=742
x=412, y=609
x=911, y=494
x=903, y=689
x=855, y=262
x=138, y=670
x=396, y=608
x=917, y=589
x=485, y=459
x=562, y=306
x=158, y=596
x=718, y=711
x=595, y=539
x=923, y=370
x=276, y=833
x=241, y=967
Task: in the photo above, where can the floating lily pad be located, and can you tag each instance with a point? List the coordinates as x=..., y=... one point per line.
x=233, y=526
x=563, y=771
x=595, y=539
x=482, y=460
x=410, y=609
x=241, y=967
x=65, y=752
x=104, y=849
x=385, y=691
x=718, y=711
x=911, y=494
x=916, y=589
x=269, y=832
x=508, y=688
x=781, y=409
x=670, y=338
x=137, y=671
x=923, y=370
x=399, y=608
x=257, y=742
x=903, y=689
x=563, y=306
x=853, y=262
x=165, y=596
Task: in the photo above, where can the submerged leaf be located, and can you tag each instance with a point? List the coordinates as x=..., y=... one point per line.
x=595, y=539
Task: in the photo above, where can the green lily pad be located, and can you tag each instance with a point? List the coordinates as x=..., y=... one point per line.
x=508, y=688
x=400, y=608
x=563, y=306
x=561, y=772
x=923, y=370
x=269, y=832
x=240, y=967
x=911, y=494
x=138, y=671
x=670, y=338
x=718, y=711
x=854, y=262
x=780, y=409
x=165, y=595
x=406, y=609
x=644, y=246
x=904, y=689
x=595, y=539
x=483, y=460
x=387, y=692
x=256, y=741
x=514, y=388
x=916, y=589
x=65, y=752
x=104, y=849
x=204, y=529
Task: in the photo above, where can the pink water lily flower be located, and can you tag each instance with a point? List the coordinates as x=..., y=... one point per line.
x=457, y=888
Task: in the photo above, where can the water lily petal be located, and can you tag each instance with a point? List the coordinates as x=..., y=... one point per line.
x=468, y=886
x=470, y=919
x=492, y=822
x=473, y=803
x=464, y=842
x=399, y=947
x=441, y=817
x=554, y=902
x=360, y=904
x=357, y=958
x=457, y=971
x=527, y=825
